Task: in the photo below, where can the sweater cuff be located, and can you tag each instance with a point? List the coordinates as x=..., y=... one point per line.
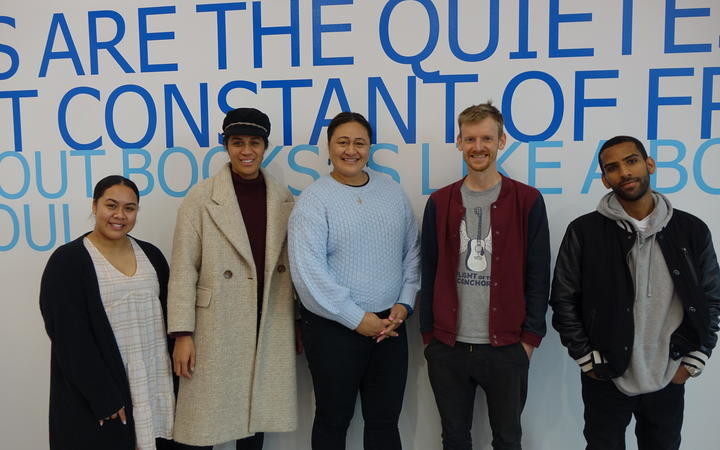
x=695, y=359
x=409, y=308
x=177, y=334
x=351, y=317
x=589, y=361
x=407, y=297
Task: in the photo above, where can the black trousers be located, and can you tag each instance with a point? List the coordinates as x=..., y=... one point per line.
x=343, y=363
x=456, y=372
x=254, y=442
x=658, y=416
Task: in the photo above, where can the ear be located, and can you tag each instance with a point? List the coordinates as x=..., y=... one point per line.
x=503, y=138
x=650, y=165
x=605, y=181
x=458, y=141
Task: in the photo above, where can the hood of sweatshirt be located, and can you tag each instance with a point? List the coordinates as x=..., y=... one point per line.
x=611, y=208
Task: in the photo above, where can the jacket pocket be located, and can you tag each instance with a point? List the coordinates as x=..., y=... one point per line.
x=202, y=297
x=690, y=265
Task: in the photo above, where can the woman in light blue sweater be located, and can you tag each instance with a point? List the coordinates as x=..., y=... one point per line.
x=354, y=259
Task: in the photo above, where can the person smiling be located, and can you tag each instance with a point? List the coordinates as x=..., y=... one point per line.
x=354, y=255
x=102, y=298
x=485, y=284
x=230, y=306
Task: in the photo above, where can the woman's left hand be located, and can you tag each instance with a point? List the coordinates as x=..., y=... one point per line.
x=397, y=316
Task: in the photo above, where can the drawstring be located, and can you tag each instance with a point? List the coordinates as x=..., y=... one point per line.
x=649, y=267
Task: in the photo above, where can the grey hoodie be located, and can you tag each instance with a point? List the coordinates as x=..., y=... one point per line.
x=657, y=310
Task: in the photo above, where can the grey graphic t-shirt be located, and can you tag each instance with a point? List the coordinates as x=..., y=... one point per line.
x=473, y=272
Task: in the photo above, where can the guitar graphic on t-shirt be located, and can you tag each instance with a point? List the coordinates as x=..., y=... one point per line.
x=476, y=261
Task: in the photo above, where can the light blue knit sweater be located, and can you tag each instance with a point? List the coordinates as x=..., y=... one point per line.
x=354, y=249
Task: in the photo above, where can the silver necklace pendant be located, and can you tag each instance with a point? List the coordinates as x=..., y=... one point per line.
x=359, y=200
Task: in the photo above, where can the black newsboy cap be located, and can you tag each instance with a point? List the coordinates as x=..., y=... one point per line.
x=246, y=121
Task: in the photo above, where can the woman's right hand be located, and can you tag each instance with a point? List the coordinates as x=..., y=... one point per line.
x=184, y=356
x=371, y=325
x=120, y=413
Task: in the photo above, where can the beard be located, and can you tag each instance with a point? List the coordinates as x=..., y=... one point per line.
x=641, y=189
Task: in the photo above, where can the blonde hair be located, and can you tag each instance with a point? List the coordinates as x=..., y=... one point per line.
x=477, y=113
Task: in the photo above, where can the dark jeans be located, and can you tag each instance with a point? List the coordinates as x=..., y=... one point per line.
x=342, y=363
x=658, y=416
x=455, y=373
x=254, y=442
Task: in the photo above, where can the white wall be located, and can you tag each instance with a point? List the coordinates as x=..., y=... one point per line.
x=624, y=54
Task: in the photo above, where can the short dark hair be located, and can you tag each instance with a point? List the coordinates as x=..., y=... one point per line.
x=346, y=117
x=621, y=140
x=113, y=180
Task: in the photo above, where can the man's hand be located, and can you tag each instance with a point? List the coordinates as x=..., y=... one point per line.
x=528, y=349
x=681, y=375
x=397, y=316
x=184, y=356
x=371, y=325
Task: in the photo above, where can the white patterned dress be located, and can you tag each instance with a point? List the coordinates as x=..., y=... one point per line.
x=133, y=308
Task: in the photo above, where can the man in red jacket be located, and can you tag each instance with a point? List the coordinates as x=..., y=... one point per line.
x=485, y=285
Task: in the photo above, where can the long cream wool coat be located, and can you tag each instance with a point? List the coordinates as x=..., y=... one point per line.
x=241, y=385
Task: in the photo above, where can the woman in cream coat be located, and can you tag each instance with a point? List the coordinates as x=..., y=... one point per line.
x=237, y=373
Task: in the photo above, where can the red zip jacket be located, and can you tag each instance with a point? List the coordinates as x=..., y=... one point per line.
x=520, y=271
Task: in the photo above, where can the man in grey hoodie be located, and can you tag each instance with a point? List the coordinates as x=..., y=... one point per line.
x=636, y=300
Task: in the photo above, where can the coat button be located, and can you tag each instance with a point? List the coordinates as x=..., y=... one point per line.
x=227, y=274
x=692, y=309
x=676, y=272
x=626, y=349
x=281, y=268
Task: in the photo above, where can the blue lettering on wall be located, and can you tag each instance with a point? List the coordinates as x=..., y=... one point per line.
x=319, y=28
x=708, y=105
x=201, y=131
x=62, y=118
x=58, y=23
x=674, y=164
x=9, y=51
x=408, y=129
x=63, y=176
x=523, y=51
x=87, y=156
x=146, y=37
x=672, y=13
x=151, y=111
x=655, y=100
x=581, y=102
x=333, y=87
x=558, y=106
x=15, y=97
x=534, y=165
x=109, y=45
x=221, y=24
x=698, y=167
x=380, y=168
x=287, y=86
x=556, y=18
x=302, y=169
x=431, y=43
x=493, y=32
x=260, y=31
x=162, y=179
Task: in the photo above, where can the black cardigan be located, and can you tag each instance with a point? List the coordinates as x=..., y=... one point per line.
x=88, y=381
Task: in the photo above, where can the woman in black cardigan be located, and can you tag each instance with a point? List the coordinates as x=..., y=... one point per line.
x=91, y=403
